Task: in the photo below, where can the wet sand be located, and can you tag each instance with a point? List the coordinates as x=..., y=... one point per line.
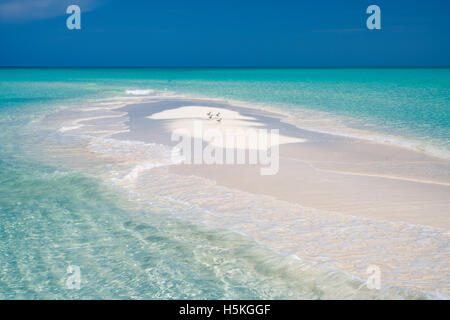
x=338, y=202
x=323, y=171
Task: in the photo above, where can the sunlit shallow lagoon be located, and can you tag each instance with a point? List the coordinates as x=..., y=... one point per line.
x=53, y=217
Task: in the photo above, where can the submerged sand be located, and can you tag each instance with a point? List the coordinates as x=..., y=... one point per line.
x=342, y=202
x=321, y=171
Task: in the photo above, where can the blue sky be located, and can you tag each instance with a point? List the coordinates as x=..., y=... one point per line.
x=225, y=33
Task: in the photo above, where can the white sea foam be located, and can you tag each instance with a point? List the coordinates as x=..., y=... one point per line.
x=133, y=175
x=70, y=128
x=139, y=92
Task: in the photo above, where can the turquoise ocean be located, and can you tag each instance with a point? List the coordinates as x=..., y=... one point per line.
x=51, y=217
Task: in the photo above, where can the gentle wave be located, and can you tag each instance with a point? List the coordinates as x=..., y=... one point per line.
x=139, y=92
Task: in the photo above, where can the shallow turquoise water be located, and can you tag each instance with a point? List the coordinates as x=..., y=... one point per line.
x=52, y=217
x=411, y=104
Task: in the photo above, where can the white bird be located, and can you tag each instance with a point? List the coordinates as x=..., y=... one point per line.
x=218, y=114
x=219, y=119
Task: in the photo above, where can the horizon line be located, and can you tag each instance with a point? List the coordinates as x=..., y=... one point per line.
x=223, y=67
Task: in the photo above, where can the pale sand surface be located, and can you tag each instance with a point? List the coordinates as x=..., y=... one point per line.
x=340, y=202
x=317, y=170
x=231, y=123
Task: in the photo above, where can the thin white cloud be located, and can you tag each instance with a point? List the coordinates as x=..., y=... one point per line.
x=28, y=10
